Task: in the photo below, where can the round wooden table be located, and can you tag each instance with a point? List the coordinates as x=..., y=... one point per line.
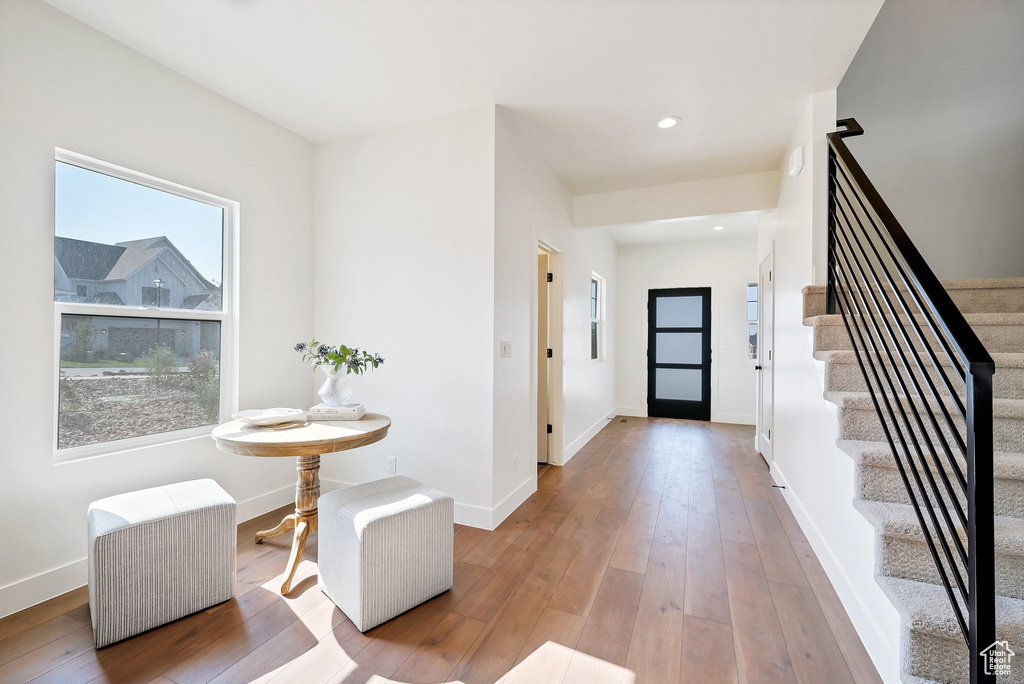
x=305, y=441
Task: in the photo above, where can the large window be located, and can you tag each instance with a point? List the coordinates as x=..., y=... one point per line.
x=596, y=317
x=141, y=294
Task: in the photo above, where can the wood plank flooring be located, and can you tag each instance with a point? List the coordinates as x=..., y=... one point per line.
x=660, y=553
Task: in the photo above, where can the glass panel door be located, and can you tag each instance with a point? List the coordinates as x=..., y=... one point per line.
x=679, y=353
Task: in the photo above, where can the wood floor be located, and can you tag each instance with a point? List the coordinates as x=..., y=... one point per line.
x=660, y=553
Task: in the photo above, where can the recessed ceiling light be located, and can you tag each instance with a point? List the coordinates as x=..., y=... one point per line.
x=668, y=121
x=719, y=227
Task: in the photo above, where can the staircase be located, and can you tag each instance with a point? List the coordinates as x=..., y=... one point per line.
x=932, y=647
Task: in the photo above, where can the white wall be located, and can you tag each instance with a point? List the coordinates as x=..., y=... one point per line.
x=433, y=229
x=939, y=89
x=819, y=478
x=704, y=197
x=65, y=85
x=727, y=267
x=404, y=266
x=532, y=205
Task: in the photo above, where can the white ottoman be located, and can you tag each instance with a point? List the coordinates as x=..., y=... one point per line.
x=159, y=554
x=384, y=547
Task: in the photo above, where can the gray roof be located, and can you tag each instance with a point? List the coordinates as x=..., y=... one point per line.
x=192, y=301
x=97, y=261
x=137, y=253
x=86, y=260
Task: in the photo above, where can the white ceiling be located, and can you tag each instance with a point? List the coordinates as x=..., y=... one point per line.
x=742, y=225
x=588, y=77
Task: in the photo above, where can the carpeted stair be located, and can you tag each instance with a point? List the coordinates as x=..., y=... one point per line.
x=931, y=645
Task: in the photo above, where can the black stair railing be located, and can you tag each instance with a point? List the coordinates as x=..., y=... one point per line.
x=930, y=381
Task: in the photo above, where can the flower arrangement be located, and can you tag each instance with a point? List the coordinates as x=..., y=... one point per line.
x=352, y=360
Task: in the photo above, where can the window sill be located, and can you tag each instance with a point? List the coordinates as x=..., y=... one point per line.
x=92, y=451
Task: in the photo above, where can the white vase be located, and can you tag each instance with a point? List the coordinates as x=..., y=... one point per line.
x=335, y=391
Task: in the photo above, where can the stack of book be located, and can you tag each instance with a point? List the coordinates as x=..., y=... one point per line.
x=344, y=412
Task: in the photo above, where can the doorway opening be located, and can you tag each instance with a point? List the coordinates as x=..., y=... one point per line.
x=549, y=355
x=679, y=353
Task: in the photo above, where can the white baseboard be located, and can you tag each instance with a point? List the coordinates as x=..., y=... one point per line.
x=874, y=638
x=632, y=411
x=27, y=592
x=734, y=418
x=30, y=591
x=470, y=515
x=578, y=443
x=258, y=505
x=517, y=496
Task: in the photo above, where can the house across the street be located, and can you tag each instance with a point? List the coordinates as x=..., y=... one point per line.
x=150, y=272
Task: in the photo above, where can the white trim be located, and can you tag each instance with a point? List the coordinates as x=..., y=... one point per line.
x=506, y=506
x=602, y=318
x=877, y=644
x=578, y=443
x=734, y=418
x=90, y=451
x=716, y=417
x=761, y=337
x=27, y=592
x=470, y=515
x=116, y=311
x=556, y=369
x=264, y=503
x=632, y=411
x=227, y=316
x=106, y=168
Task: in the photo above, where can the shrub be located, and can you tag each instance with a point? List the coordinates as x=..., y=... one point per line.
x=82, y=338
x=160, y=363
x=68, y=395
x=204, y=381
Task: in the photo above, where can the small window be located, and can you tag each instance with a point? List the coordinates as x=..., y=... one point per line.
x=596, y=317
x=752, y=320
x=156, y=296
x=139, y=278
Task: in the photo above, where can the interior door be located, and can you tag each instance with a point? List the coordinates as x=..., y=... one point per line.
x=765, y=362
x=543, y=403
x=679, y=353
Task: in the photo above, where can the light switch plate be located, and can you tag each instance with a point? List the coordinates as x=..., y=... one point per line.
x=506, y=350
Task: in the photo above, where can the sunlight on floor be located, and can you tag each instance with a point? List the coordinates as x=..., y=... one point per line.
x=551, y=662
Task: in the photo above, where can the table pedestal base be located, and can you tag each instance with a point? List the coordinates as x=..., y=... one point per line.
x=303, y=520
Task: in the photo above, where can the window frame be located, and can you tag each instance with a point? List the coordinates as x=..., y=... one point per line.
x=753, y=322
x=227, y=316
x=600, y=320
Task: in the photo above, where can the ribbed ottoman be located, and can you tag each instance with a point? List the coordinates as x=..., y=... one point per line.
x=159, y=554
x=384, y=547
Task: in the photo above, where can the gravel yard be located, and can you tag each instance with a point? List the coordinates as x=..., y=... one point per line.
x=106, y=408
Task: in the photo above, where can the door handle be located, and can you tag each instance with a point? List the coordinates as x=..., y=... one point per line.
x=757, y=368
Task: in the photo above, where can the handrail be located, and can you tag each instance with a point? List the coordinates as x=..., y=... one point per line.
x=871, y=263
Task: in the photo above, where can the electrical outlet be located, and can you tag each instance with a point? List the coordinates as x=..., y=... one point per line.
x=515, y=463
x=392, y=465
x=506, y=350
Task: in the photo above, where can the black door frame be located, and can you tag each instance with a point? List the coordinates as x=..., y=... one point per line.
x=677, y=408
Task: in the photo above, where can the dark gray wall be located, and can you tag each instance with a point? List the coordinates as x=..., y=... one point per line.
x=938, y=86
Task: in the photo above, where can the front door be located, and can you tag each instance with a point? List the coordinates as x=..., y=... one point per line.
x=679, y=353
